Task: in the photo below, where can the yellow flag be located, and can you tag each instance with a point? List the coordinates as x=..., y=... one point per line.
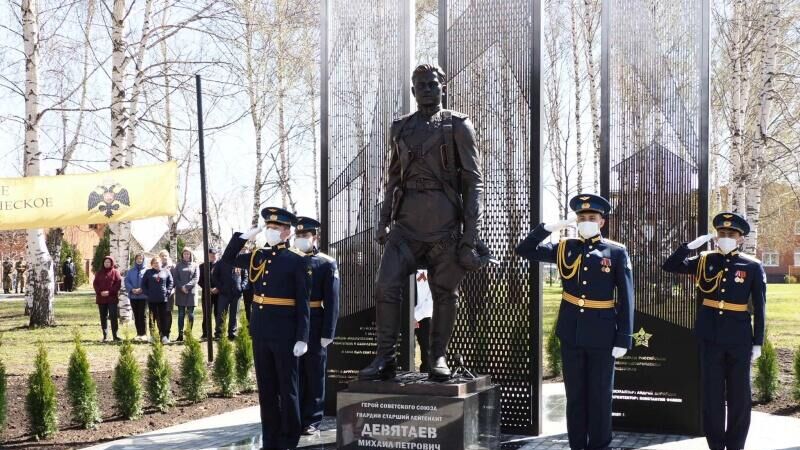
x=101, y=197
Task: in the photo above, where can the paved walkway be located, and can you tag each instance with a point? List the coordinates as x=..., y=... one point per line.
x=240, y=430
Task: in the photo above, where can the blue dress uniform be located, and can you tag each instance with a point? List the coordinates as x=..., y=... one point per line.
x=590, y=323
x=281, y=279
x=324, y=314
x=725, y=284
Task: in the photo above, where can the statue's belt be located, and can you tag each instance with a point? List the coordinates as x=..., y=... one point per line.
x=585, y=303
x=423, y=184
x=275, y=301
x=722, y=305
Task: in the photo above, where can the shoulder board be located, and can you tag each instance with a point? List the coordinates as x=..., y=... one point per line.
x=457, y=114
x=399, y=119
x=708, y=252
x=325, y=256
x=297, y=252
x=568, y=239
x=750, y=257
x=618, y=244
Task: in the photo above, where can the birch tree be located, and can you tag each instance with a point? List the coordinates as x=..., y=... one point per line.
x=41, y=282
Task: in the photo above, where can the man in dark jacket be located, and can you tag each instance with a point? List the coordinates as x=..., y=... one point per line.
x=68, y=271
x=229, y=281
x=209, y=289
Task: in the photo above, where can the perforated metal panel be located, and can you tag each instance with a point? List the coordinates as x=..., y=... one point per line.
x=489, y=52
x=655, y=173
x=366, y=48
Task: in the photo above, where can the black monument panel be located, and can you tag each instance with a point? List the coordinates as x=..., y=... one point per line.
x=655, y=173
x=366, y=66
x=489, y=51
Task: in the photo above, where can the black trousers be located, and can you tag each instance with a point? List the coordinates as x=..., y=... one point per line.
x=207, y=315
x=725, y=374
x=139, y=307
x=312, y=376
x=69, y=280
x=277, y=375
x=160, y=313
x=109, y=311
x=227, y=306
x=168, y=317
x=589, y=382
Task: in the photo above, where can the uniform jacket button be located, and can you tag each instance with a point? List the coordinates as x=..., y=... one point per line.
x=581, y=309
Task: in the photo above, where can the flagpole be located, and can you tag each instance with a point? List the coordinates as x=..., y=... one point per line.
x=204, y=213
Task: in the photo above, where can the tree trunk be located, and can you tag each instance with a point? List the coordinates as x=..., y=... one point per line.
x=40, y=288
x=577, y=79
x=552, y=105
x=591, y=8
x=120, y=231
x=287, y=201
x=761, y=142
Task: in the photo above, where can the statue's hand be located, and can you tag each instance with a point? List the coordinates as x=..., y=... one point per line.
x=382, y=234
x=468, y=258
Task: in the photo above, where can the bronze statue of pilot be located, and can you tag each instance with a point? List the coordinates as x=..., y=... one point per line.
x=431, y=217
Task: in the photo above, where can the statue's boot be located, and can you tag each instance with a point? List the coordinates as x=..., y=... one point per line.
x=387, y=323
x=442, y=324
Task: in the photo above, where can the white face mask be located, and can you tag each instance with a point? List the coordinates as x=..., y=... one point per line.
x=303, y=244
x=588, y=229
x=727, y=245
x=273, y=236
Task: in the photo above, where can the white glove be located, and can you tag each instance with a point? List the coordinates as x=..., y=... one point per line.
x=618, y=352
x=756, y=353
x=251, y=234
x=699, y=242
x=325, y=342
x=561, y=224
x=300, y=348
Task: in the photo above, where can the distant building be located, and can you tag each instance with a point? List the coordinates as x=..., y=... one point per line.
x=779, y=233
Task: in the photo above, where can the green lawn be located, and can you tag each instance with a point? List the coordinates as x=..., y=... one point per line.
x=78, y=311
x=73, y=311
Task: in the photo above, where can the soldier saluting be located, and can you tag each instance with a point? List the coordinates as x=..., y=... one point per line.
x=433, y=206
x=279, y=322
x=593, y=329
x=324, y=314
x=726, y=281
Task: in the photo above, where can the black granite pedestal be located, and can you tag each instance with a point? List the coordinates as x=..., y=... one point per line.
x=410, y=412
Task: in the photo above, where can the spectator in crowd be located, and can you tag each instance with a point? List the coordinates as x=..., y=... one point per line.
x=185, y=275
x=231, y=283
x=133, y=285
x=211, y=289
x=157, y=285
x=168, y=264
x=107, y=283
x=68, y=271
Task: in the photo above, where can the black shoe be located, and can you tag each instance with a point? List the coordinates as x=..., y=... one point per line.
x=117, y=339
x=379, y=369
x=310, y=430
x=440, y=371
x=232, y=337
x=180, y=338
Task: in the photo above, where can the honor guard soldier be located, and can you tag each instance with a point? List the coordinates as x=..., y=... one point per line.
x=324, y=313
x=592, y=327
x=726, y=281
x=279, y=324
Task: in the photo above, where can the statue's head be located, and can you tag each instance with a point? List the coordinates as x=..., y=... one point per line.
x=428, y=85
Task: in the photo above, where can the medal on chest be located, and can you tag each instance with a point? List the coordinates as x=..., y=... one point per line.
x=740, y=276
x=606, y=263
